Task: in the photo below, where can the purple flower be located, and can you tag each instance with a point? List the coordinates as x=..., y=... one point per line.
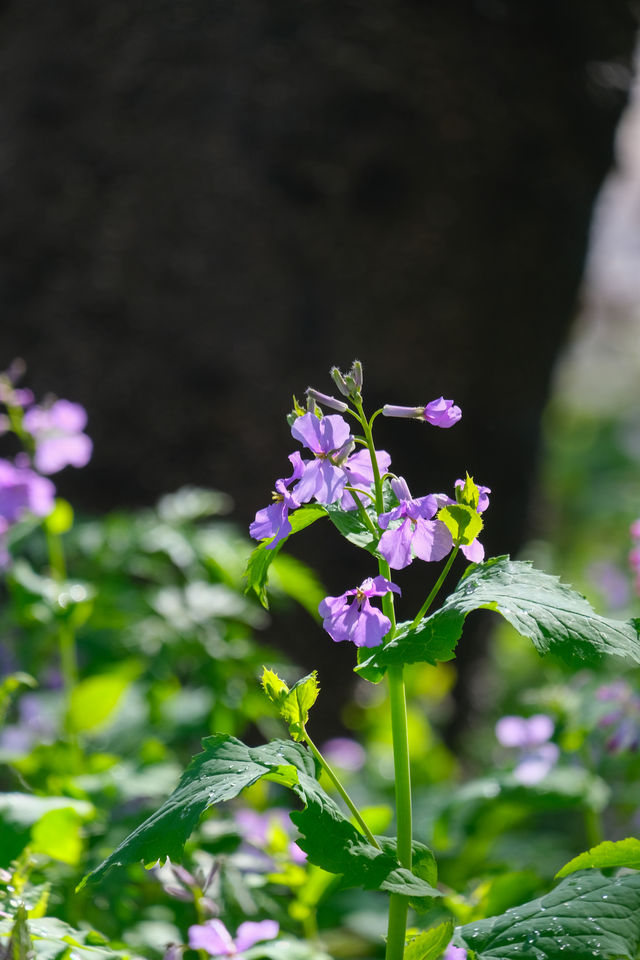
x=21, y=492
x=345, y=753
x=454, y=953
x=274, y=521
x=359, y=472
x=357, y=620
x=60, y=441
x=624, y=718
x=328, y=439
x=214, y=937
x=418, y=535
x=258, y=830
x=531, y=734
x=439, y=413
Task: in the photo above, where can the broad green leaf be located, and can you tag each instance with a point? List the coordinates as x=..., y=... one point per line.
x=431, y=944
x=586, y=916
x=93, y=700
x=58, y=835
x=463, y=522
x=623, y=853
x=352, y=526
x=551, y=614
x=257, y=572
x=225, y=768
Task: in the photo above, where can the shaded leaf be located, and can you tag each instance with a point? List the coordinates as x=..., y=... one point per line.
x=257, y=572
x=431, y=944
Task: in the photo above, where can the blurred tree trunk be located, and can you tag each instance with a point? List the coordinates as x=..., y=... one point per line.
x=206, y=204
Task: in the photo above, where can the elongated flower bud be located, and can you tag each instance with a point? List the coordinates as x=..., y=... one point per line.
x=332, y=402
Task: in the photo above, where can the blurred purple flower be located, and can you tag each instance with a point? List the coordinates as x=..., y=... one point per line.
x=57, y=431
x=611, y=582
x=418, y=535
x=273, y=521
x=328, y=439
x=22, y=491
x=439, y=413
x=530, y=735
x=454, y=953
x=345, y=753
x=256, y=827
x=359, y=472
x=357, y=620
x=624, y=718
x=214, y=937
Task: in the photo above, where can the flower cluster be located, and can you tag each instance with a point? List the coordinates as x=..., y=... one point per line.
x=53, y=438
x=531, y=736
x=403, y=527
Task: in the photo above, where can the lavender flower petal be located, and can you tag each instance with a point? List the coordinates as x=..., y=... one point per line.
x=250, y=933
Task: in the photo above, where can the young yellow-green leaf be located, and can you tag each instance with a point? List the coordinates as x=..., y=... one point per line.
x=274, y=687
x=585, y=916
x=468, y=493
x=295, y=707
x=622, y=853
x=257, y=572
x=431, y=944
x=464, y=523
x=60, y=520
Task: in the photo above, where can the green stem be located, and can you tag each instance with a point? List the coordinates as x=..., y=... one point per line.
x=66, y=632
x=398, y=905
x=445, y=570
x=341, y=790
x=399, y=730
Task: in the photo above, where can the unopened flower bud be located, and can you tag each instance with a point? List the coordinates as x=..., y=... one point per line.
x=339, y=381
x=332, y=402
x=409, y=413
x=344, y=452
x=356, y=373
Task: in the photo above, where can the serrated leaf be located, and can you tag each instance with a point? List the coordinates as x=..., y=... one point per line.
x=257, y=572
x=274, y=686
x=585, y=916
x=463, y=522
x=297, y=702
x=431, y=944
x=622, y=853
x=226, y=767
x=538, y=605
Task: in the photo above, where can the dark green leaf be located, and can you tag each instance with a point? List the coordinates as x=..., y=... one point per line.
x=257, y=572
x=19, y=946
x=585, y=916
x=554, y=616
x=225, y=768
x=623, y=853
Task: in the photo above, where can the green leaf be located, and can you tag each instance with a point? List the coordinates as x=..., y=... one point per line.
x=226, y=767
x=431, y=944
x=19, y=947
x=463, y=522
x=551, y=614
x=293, y=704
x=94, y=700
x=57, y=835
x=257, y=572
x=352, y=527
x=623, y=853
x=585, y=916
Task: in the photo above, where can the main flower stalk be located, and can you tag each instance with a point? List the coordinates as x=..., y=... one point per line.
x=398, y=905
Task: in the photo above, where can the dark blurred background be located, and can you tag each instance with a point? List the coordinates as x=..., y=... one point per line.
x=206, y=204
